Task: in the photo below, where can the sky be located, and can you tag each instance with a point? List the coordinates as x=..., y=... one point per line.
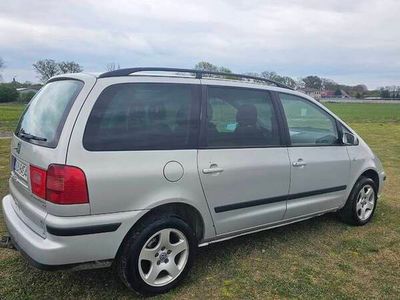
x=351, y=42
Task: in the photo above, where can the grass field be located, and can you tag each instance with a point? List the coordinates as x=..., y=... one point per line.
x=9, y=115
x=318, y=258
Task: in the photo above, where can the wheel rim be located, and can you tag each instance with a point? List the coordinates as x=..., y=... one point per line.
x=365, y=202
x=163, y=257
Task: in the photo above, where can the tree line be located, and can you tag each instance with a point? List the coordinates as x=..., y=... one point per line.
x=307, y=82
x=47, y=68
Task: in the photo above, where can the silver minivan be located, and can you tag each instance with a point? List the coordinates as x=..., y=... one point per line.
x=137, y=170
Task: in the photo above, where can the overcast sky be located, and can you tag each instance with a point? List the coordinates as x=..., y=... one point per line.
x=351, y=42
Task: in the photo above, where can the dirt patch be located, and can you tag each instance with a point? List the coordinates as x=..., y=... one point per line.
x=5, y=135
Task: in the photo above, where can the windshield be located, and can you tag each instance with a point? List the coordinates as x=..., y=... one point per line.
x=43, y=119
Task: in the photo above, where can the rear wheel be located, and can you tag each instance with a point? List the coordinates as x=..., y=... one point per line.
x=157, y=254
x=361, y=203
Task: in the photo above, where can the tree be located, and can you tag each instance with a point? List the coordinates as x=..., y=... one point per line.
x=8, y=93
x=329, y=84
x=384, y=93
x=338, y=92
x=112, y=67
x=289, y=81
x=26, y=97
x=69, y=67
x=46, y=68
x=206, y=66
x=1, y=66
x=224, y=70
x=286, y=80
x=313, y=82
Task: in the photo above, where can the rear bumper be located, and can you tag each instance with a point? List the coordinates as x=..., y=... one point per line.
x=69, y=241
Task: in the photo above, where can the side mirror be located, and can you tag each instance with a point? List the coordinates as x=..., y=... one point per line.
x=350, y=139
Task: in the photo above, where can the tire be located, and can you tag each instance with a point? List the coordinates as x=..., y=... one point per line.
x=156, y=242
x=360, y=206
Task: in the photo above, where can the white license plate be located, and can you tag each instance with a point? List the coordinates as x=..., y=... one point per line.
x=21, y=169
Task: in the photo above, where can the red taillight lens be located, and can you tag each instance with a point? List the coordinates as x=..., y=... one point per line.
x=38, y=181
x=66, y=185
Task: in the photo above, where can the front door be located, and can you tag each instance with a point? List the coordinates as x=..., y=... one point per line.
x=244, y=170
x=320, y=165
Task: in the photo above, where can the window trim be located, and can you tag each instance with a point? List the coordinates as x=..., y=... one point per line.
x=286, y=126
x=203, y=116
x=194, y=113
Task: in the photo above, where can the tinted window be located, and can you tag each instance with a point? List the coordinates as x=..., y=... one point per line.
x=143, y=116
x=240, y=118
x=45, y=115
x=308, y=124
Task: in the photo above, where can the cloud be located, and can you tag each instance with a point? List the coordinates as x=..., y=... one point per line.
x=351, y=41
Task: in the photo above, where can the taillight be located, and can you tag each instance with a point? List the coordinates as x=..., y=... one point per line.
x=60, y=184
x=66, y=185
x=38, y=181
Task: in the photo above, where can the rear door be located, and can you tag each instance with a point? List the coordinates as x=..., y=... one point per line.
x=40, y=139
x=320, y=164
x=244, y=168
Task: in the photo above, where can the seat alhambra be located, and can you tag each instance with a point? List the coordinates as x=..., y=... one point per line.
x=136, y=169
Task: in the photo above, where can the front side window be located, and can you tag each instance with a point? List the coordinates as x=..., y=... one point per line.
x=240, y=118
x=308, y=124
x=142, y=116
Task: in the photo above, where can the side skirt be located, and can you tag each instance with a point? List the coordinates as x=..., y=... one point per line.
x=231, y=235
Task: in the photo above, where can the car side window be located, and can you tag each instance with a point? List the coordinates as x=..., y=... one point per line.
x=238, y=117
x=308, y=124
x=143, y=116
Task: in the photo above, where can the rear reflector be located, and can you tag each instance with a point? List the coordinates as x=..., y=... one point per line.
x=60, y=184
x=38, y=181
x=66, y=185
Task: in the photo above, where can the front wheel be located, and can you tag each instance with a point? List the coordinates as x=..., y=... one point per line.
x=157, y=254
x=361, y=204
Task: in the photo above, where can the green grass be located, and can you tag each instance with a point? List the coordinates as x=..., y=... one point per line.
x=318, y=258
x=9, y=115
x=366, y=112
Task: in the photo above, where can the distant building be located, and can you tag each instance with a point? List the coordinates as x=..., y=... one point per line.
x=327, y=94
x=373, y=98
x=314, y=93
x=27, y=90
x=340, y=93
x=344, y=94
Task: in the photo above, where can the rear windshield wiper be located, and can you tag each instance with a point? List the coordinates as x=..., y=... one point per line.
x=29, y=136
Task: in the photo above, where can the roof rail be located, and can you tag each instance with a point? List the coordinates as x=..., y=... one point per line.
x=198, y=73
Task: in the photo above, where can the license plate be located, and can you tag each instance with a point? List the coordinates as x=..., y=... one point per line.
x=21, y=169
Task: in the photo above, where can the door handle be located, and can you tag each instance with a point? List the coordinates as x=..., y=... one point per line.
x=213, y=169
x=299, y=163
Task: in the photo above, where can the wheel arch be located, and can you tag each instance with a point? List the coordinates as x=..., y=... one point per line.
x=373, y=174
x=184, y=211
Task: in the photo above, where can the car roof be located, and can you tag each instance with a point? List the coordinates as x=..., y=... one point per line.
x=225, y=79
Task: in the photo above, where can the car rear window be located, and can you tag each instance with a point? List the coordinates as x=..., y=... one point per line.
x=143, y=116
x=43, y=119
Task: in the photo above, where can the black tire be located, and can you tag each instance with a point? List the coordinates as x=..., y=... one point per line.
x=127, y=260
x=349, y=212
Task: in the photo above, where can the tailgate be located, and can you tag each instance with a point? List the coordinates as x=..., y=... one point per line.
x=41, y=139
